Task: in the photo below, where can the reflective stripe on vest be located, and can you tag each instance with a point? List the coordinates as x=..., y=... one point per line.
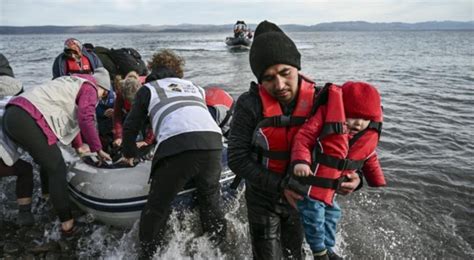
x=272, y=141
x=168, y=98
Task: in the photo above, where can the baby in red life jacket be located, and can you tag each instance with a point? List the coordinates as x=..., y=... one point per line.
x=340, y=138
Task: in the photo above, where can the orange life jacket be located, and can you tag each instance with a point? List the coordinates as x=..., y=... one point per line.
x=333, y=155
x=216, y=96
x=73, y=67
x=273, y=135
x=223, y=105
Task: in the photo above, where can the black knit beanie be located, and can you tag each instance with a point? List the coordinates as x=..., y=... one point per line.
x=272, y=46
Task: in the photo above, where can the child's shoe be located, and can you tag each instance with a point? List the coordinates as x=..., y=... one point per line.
x=333, y=256
x=322, y=255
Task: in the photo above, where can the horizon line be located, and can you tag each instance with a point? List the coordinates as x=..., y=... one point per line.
x=208, y=24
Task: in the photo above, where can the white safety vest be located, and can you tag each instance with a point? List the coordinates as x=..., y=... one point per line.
x=56, y=100
x=177, y=106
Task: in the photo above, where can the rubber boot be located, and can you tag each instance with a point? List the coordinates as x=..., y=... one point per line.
x=25, y=217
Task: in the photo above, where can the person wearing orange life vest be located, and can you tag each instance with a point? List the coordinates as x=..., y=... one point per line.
x=347, y=128
x=221, y=105
x=75, y=60
x=265, y=120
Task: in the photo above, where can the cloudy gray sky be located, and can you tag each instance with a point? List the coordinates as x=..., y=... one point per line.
x=171, y=12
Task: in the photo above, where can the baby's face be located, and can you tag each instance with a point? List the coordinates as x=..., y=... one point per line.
x=355, y=125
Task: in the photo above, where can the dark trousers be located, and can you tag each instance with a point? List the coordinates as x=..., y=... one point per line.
x=24, y=173
x=169, y=178
x=275, y=228
x=23, y=130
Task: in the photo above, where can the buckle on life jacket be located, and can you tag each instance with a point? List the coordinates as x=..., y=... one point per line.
x=338, y=128
x=282, y=120
x=339, y=181
x=318, y=181
x=343, y=164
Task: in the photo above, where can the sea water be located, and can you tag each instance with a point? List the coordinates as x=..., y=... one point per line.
x=426, y=79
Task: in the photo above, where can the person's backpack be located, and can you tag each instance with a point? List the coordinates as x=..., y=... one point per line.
x=104, y=56
x=126, y=60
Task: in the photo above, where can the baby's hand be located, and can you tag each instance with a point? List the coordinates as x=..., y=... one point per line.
x=302, y=169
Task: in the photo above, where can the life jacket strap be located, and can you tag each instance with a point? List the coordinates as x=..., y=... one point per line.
x=375, y=125
x=321, y=181
x=282, y=121
x=372, y=125
x=332, y=128
x=274, y=155
x=336, y=163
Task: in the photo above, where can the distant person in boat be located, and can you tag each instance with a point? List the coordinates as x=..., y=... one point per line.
x=75, y=60
x=265, y=121
x=241, y=30
x=189, y=146
x=221, y=106
x=342, y=136
x=55, y=112
x=10, y=164
x=126, y=90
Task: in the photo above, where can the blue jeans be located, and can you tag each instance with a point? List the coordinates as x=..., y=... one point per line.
x=319, y=221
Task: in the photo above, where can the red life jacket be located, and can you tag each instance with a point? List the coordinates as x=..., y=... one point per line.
x=84, y=67
x=216, y=96
x=334, y=154
x=127, y=106
x=223, y=105
x=273, y=135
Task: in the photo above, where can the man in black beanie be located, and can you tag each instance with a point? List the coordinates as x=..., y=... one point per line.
x=265, y=120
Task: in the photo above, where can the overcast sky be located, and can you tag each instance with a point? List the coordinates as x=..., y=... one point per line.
x=172, y=12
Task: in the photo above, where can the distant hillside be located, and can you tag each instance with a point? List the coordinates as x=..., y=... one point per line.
x=334, y=26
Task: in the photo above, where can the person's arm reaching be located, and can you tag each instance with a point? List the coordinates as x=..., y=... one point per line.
x=134, y=122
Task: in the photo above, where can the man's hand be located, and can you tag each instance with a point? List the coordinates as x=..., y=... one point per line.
x=292, y=197
x=350, y=185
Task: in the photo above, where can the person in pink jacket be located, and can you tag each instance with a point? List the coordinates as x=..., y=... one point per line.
x=340, y=138
x=58, y=111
